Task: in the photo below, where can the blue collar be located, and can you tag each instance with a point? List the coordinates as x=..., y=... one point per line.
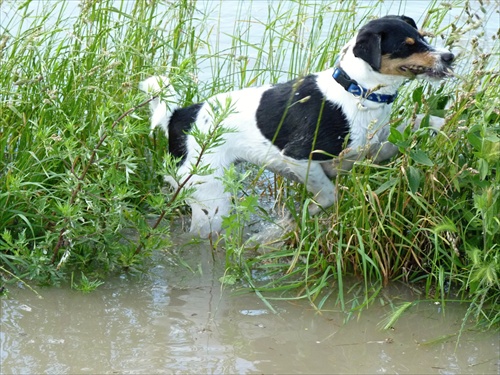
x=350, y=85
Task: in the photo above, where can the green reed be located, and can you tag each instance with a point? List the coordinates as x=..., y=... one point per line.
x=80, y=175
x=429, y=217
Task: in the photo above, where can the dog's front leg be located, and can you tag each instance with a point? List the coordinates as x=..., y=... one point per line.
x=209, y=204
x=383, y=151
x=312, y=175
x=208, y=200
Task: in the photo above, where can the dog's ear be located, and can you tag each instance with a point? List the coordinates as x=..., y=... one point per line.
x=369, y=40
x=368, y=48
x=409, y=21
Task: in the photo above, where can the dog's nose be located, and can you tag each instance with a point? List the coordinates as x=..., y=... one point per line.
x=448, y=57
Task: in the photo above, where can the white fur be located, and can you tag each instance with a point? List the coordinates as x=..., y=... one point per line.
x=161, y=88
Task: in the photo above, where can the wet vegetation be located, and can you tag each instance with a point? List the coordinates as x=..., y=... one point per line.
x=81, y=189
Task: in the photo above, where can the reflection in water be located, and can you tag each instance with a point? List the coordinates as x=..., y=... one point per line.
x=177, y=321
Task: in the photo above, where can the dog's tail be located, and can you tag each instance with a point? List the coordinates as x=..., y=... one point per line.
x=165, y=101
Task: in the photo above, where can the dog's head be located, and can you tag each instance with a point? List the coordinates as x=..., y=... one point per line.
x=393, y=45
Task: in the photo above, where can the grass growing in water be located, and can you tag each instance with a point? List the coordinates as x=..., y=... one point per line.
x=78, y=179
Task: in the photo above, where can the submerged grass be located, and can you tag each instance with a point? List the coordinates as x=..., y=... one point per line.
x=80, y=174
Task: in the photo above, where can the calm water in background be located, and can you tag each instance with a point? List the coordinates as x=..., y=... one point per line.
x=224, y=15
x=174, y=320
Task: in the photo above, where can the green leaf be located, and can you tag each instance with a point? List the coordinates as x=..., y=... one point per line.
x=474, y=137
x=421, y=157
x=417, y=94
x=228, y=279
x=395, y=136
x=386, y=185
x=413, y=178
x=483, y=168
x=399, y=139
x=396, y=314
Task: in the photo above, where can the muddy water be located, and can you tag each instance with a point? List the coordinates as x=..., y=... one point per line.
x=177, y=320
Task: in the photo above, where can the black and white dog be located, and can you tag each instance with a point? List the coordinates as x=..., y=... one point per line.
x=307, y=129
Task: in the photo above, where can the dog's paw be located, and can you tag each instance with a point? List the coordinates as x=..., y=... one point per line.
x=271, y=235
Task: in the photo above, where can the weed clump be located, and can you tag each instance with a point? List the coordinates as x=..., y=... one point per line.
x=80, y=175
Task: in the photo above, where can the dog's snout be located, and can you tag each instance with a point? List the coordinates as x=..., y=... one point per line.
x=447, y=57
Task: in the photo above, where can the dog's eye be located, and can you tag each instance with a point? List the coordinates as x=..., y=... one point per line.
x=401, y=50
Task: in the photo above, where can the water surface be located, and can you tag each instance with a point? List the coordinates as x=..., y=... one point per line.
x=174, y=320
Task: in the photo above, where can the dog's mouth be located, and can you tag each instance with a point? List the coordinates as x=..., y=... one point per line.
x=430, y=66
x=416, y=70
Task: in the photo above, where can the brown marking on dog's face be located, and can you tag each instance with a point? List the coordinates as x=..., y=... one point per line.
x=417, y=63
x=410, y=41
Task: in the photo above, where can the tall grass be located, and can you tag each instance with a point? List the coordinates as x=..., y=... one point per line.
x=80, y=175
x=74, y=174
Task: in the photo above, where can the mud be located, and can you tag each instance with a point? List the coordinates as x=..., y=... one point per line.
x=176, y=320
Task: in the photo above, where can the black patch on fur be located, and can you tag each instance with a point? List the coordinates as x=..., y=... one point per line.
x=386, y=36
x=298, y=120
x=180, y=124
